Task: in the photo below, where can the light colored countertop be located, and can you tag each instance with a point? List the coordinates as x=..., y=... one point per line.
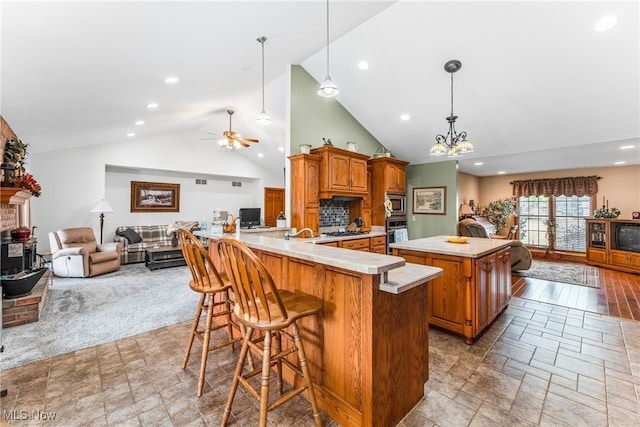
x=398, y=276
x=475, y=247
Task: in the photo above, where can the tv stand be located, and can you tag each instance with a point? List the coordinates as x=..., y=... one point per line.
x=601, y=246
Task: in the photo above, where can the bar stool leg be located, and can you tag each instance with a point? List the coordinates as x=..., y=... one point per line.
x=279, y=360
x=237, y=374
x=264, y=385
x=302, y=359
x=194, y=329
x=205, y=343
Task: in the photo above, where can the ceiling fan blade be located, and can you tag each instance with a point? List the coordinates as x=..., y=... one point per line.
x=241, y=142
x=249, y=139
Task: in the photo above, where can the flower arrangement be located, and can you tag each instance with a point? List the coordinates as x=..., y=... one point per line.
x=498, y=211
x=388, y=207
x=29, y=183
x=606, y=213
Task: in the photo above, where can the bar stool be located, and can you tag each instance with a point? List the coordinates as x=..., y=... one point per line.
x=260, y=306
x=210, y=284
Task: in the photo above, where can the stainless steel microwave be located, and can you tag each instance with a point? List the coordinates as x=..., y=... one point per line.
x=398, y=204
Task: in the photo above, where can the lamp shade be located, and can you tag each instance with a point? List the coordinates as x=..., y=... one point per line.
x=102, y=206
x=465, y=209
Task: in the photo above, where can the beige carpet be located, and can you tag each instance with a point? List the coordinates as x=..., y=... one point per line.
x=573, y=273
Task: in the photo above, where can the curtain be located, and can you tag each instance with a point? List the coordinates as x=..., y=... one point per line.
x=569, y=186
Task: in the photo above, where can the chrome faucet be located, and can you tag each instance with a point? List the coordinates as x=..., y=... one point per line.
x=287, y=235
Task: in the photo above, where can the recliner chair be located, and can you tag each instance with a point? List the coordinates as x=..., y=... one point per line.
x=520, y=255
x=76, y=253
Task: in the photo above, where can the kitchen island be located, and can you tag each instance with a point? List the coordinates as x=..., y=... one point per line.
x=368, y=348
x=475, y=287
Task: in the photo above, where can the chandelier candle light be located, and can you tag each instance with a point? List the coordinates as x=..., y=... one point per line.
x=453, y=144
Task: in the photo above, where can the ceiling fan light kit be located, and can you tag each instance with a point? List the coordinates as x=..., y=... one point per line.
x=328, y=89
x=233, y=140
x=452, y=144
x=263, y=118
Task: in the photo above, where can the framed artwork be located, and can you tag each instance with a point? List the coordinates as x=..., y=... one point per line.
x=430, y=200
x=154, y=197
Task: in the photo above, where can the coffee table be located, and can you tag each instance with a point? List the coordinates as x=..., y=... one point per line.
x=163, y=257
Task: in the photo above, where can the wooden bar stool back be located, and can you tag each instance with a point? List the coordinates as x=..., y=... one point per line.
x=261, y=306
x=214, y=288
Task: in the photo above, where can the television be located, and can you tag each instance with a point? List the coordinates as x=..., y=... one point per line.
x=249, y=217
x=627, y=237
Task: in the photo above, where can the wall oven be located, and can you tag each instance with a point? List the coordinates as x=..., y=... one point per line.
x=398, y=204
x=395, y=227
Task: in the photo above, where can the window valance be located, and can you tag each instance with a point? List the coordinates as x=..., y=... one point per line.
x=569, y=186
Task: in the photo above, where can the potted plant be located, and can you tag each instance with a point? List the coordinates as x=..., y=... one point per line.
x=13, y=158
x=497, y=212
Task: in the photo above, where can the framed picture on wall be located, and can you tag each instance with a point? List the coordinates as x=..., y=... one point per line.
x=154, y=197
x=430, y=200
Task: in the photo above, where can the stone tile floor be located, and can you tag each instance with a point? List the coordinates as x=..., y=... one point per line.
x=538, y=364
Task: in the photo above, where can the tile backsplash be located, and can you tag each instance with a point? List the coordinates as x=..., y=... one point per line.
x=333, y=213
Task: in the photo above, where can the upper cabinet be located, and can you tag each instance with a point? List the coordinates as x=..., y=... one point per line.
x=305, y=201
x=342, y=172
x=389, y=174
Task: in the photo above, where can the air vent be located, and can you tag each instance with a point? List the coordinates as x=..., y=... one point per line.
x=236, y=184
x=200, y=181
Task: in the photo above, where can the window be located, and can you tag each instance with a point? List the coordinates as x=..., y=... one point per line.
x=568, y=213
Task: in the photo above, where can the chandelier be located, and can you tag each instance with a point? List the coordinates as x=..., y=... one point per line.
x=452, y=144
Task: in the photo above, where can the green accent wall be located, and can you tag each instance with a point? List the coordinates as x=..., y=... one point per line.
x=314, y=117
x=433, y=175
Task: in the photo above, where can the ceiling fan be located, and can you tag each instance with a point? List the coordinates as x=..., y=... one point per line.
x=231, y=139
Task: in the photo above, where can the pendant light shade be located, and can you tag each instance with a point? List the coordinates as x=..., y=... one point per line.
x=328, y=88
x=263, y=118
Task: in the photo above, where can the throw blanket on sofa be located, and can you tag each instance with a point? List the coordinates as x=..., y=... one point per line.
x=150, y=235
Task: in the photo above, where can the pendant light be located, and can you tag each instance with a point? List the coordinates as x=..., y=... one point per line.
x=262, y=118
x=328, y=88
x=452, y=144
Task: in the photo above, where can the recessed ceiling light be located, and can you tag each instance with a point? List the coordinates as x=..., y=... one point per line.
x=405, y=117
x=260, y=155
x=627, y=147
x=478, y=164
x=363, y=65
x=171, y=80
x=152, y=105
x=619, y=163
x=139, y=122
x=130, y=134
x=281, y=149
x=605, y=23
x=501, y=172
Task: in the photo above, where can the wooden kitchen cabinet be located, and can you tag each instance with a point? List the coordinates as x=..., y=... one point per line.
x=378, y=245
x=388, y=175
x=342, y=172
x=470, y=294
x=356, y=244
x=305, y=199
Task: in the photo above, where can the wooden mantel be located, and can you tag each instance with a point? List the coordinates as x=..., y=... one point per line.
x=13, y=196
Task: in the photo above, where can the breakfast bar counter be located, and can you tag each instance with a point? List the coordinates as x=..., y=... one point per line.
x=475, y=287
x=368, y=348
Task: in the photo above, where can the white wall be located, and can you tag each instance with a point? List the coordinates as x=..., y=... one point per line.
x=73, y=180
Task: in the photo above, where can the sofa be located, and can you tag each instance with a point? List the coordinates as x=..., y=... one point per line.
x=75, y=253
x=520, y=255
x=136, y=238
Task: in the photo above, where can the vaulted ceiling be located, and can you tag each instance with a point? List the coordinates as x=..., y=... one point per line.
x=539, y=88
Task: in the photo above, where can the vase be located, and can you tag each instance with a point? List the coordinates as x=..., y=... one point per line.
x=174, y=241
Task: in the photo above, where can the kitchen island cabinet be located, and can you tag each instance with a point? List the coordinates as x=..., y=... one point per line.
x=368, y=348
x=475, y=286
